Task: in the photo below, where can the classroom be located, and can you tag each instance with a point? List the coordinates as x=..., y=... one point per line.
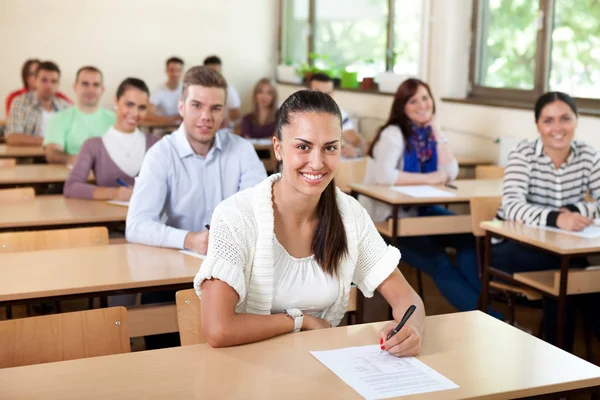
x=300, y=198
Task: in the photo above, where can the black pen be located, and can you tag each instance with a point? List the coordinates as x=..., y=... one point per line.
x=407, y=315
x=451, y=186
x=207, y=226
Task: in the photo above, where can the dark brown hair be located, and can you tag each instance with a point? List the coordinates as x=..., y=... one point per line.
x=88, y=68
x=397, y=117
x=205, y=77
x=551, y=97
x=47, y=66
x=25, y=70
x=272, y=107
x=129, y=83
x=329, y=244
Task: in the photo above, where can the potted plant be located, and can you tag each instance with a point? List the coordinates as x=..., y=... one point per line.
x=286, y=72
x=320, y=63
x=368, y=82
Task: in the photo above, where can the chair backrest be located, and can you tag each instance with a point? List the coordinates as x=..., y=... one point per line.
x=60, y=337
x=19, y=194
x=350, y=172
x=189, y=317
x=8, y=162
x=11, y=242
x=489, y=172
x=483, y=209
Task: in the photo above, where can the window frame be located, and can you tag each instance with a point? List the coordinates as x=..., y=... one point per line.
x=486, y=94
x=390, y=40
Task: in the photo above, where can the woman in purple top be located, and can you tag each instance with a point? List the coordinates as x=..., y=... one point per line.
x=260, y=123
x=116, y=157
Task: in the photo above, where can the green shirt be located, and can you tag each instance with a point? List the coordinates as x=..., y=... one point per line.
x=70, y=128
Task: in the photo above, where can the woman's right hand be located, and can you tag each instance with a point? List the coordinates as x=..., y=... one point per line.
x=310, y=323
x=122, y=193
x=437, y=178
x=570, y=221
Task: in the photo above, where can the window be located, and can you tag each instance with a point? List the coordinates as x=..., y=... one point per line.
x=523, y=48
x=363, y=36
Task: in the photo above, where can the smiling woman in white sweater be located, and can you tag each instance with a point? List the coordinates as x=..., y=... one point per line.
x=282, y=255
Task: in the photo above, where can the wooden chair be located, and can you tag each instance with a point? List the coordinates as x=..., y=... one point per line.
x=12, y=242
x=484, y=209
x=489, y=172
x=349, y=172
x=61, y=337
x=8, y=162
x=19, y=194
x=189, y=315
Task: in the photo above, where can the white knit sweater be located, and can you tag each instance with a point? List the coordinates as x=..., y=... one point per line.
x=240, y=251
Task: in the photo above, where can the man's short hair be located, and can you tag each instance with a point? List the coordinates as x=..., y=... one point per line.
x=47, y=66
x=176, y=60
x=320, y=77
x=88, y=68
x=202, y=76
x=212, y=60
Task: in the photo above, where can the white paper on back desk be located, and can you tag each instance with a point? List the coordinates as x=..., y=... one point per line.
x=421, y=191
x=591, y=232
x=375, y=374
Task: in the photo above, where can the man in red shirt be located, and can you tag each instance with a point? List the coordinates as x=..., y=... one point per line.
x=28, y=77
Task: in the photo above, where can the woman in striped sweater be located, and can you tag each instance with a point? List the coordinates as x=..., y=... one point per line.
x=546, y=181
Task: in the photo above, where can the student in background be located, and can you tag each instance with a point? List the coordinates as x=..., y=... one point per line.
x=28, y=78
x=546, y=181
x=283, y=254
x=116, y=157
x=164, y=107
x=186, y=175
x=30, y=112
x=410, y=149
x=233, y=105
x=260, y=123
x=354, y=145
x=68, y=129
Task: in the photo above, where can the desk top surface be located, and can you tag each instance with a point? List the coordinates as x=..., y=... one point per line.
x=34, y=173
x=46, y=211
x=47, y=273
x=487, y=358
x=20, y=151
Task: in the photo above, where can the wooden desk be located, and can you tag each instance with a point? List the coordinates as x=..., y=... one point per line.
x=58, y=211
x=34, y=174
x=30, y=277
x=350, y=171
x=269, y=163
x=20, y=151
x=562, y=245
x=472, y=161
x=488, y=359
x=466, y=190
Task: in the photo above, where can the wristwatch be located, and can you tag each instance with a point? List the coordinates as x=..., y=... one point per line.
x=297, y=316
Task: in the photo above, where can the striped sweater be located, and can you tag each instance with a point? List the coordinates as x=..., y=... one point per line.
x=534, y=189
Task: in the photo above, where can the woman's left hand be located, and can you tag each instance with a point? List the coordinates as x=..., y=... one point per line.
x=406, y=343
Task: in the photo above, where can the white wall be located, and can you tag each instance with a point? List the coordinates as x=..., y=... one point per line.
x=135, y=37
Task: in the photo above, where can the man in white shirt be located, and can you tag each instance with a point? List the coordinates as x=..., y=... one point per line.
x=187, y=174
x=353, y=144
x=164, y=101
x=233, y=115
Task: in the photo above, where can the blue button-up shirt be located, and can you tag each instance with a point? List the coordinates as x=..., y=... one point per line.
x=187, y=187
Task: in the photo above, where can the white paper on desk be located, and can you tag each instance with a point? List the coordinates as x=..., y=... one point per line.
x=193, y=254
x=118, y=203
x=264, y=141
x=422, y=191
x=376, y=374
x=591, y=232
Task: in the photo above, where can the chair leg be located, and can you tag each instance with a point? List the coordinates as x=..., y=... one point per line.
x=511, y=306
x=589, y=350
x=419, y=282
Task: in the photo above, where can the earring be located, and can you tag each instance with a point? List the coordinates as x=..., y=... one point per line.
x=278, y=157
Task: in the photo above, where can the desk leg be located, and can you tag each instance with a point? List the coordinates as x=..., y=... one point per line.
x=485, y=273
x=394, y=238
x=562, y=301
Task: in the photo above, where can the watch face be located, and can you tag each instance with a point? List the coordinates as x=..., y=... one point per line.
x=294, y=312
